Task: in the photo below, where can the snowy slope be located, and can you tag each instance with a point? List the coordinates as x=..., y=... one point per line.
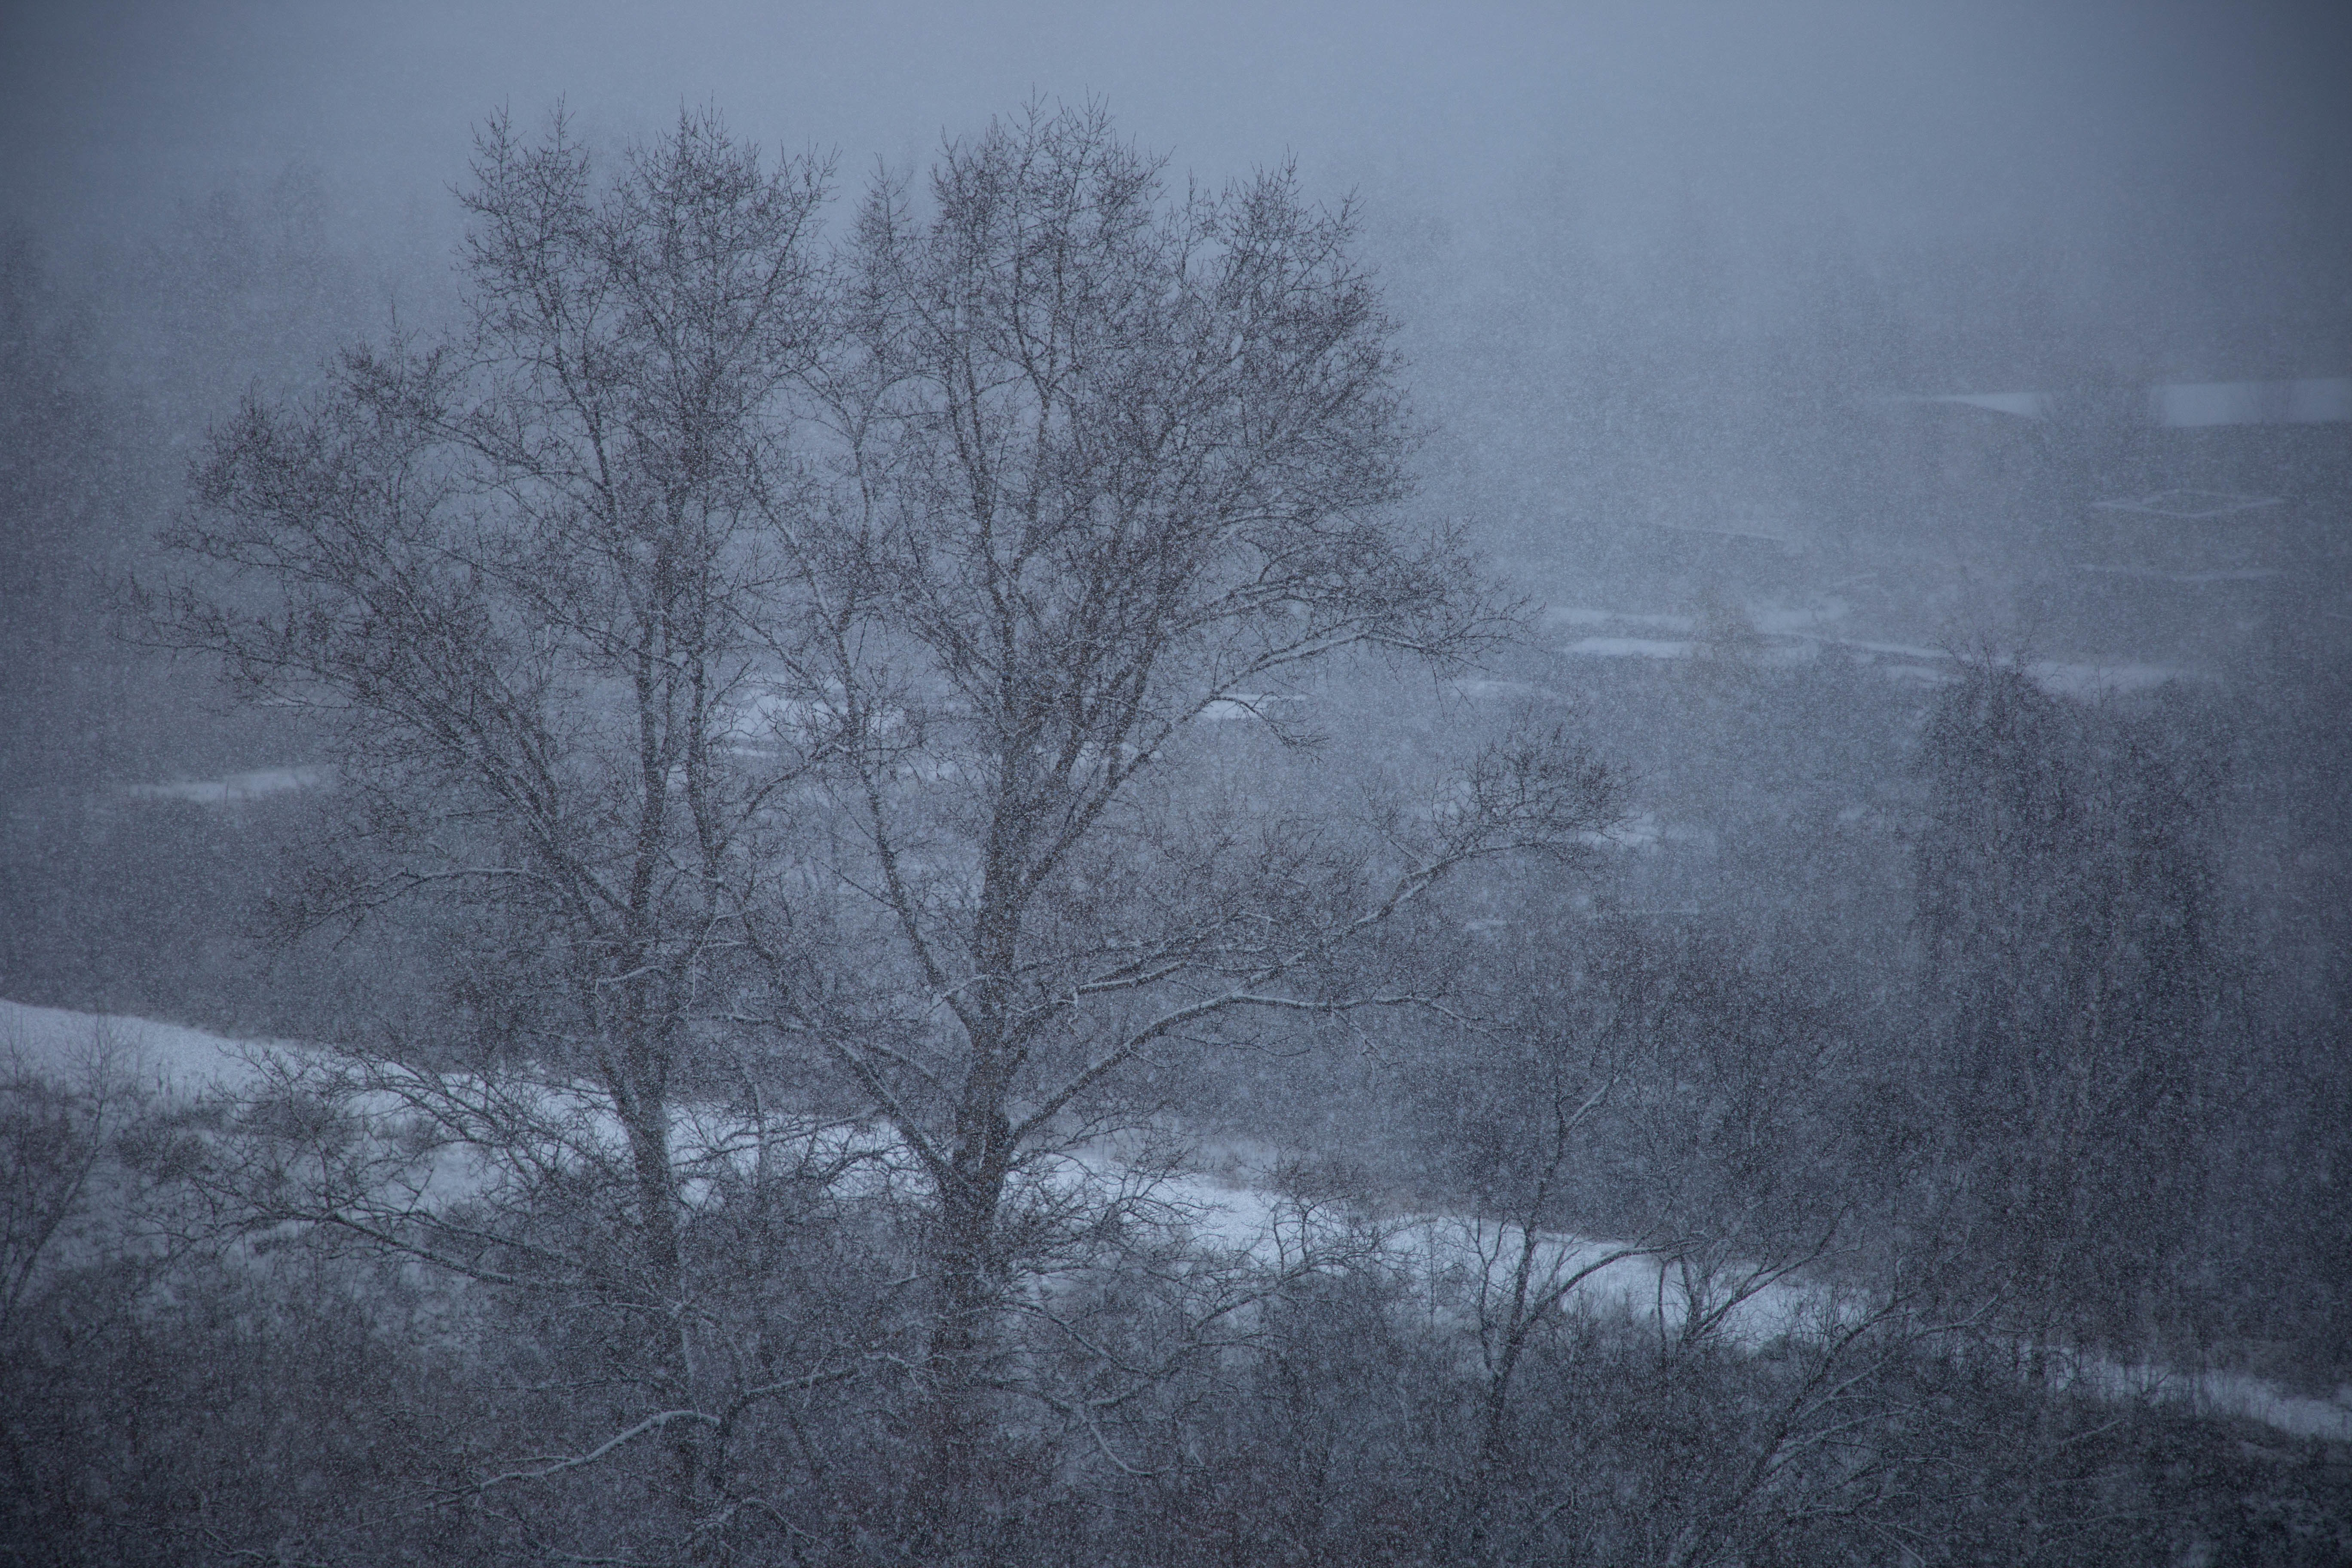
x=1235, y=1213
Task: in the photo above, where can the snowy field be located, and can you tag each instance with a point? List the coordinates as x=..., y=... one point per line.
x=1232, y=1209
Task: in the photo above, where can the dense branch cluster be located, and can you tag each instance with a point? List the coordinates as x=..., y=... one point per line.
x=795, y=681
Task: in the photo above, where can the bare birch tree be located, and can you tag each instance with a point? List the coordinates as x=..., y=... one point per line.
x=523, y=572
x=1113, y=466
x=962, y=744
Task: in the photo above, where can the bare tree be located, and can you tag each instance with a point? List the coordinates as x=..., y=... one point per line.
x=2065, y=901
x=1115, y=473
x=1610, y=1080
x=961, y=742
x=524, y=572
x=1523, y=1282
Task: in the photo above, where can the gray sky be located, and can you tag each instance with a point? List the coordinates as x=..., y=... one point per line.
x=1564, y=198
x=1927, y=119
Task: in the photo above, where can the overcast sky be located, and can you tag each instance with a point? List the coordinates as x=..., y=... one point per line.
x=1905, y=117
x=1561, y=195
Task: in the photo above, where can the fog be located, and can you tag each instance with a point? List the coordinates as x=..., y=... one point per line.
x=1582, y=212
x=1176, y=784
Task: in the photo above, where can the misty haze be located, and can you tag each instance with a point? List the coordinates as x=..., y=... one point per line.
x=1217, y=784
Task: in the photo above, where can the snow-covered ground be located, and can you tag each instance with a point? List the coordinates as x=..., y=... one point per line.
x=1240, y=1215
x=236, y=787
x=1235, y=1208
x=59, y=1043
x=1793, y=635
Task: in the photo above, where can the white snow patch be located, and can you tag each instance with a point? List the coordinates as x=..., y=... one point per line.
x=2257, y=1399
x=1231, y=1209
x=236, y=787
x=58, y=1041
x=1505, y=691
x=1572, y=616
x=1630, y=648
x=2192, y=579
x=1891, y=649
x=1783, y=620
x=2099, y=679
x=1639, y=831
x=2311, y=400
x=1246, y=705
